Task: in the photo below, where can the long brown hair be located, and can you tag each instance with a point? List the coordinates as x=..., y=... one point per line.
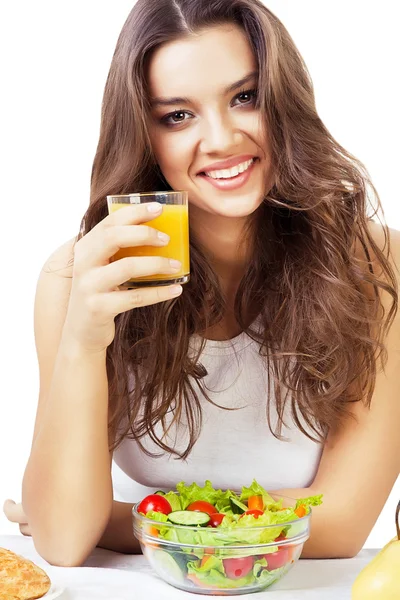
x=322, y=335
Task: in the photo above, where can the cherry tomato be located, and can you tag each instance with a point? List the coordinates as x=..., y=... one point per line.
x=276, y=560
x=255, y=512
x=202, y=506
x=216, y=519
x=154, y=502
x=235, y=568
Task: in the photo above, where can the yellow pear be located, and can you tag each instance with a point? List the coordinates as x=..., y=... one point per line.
x=380, y=579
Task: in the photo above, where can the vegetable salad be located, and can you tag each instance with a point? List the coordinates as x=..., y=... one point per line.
x=211, y=524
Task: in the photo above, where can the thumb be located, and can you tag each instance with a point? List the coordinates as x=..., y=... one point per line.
x=14, y=512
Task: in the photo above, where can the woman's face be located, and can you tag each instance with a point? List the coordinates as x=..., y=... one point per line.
x=212, y=124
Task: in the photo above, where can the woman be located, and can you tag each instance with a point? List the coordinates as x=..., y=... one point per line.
x=290, y=308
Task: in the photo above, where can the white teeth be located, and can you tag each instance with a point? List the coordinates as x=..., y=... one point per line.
x=227, y=173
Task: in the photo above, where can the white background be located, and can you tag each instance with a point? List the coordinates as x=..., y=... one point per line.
x=55, y=60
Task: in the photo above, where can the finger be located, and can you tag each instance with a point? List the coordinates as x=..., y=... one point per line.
x=110, y=276
x=127, y=236
x=14, y=512
x=123, y=300
x=25, y=529
x=102, y=242
x=133, y=214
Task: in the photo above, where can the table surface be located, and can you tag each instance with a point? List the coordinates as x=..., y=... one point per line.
x=115, y=576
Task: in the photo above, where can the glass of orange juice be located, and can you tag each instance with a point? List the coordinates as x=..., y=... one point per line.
x=174, y=221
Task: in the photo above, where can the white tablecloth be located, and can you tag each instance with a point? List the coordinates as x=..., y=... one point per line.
x=117, y=576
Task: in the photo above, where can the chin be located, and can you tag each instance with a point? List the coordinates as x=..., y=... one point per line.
x=231, y=206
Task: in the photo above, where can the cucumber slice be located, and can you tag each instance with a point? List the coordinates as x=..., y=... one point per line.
x=160, y=493
x=189, y=517
x=182, y=558
x=238, y=508
x=166, y=565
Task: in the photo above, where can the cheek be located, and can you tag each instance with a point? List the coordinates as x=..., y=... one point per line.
x=174, y=162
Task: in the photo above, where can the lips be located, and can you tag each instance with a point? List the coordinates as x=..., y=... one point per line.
x=231, y=183
x=227, y=164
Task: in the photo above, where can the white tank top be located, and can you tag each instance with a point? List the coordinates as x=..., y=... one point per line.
x=234, y=446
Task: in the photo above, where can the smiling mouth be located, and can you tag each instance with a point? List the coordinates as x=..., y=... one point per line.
x=204, y=174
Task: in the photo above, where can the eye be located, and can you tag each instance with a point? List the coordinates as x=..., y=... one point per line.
x=166, y=119
x=250, y=93
x=169, y=121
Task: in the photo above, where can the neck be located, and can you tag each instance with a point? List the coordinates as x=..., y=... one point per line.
x=225, y=243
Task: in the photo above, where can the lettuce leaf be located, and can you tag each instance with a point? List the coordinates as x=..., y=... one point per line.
x=213, y=563
x=309, y=501
x=257, y=490
x=156, y=516
x=190, y=493
x=174, y=500
x=267, y=578
x=222, y=504
x=259, y=565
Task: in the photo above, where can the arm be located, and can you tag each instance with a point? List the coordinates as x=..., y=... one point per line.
x=118, y=535
x=67, y=486
x=361, y=462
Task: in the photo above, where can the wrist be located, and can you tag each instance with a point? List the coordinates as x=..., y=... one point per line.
x=72, y=348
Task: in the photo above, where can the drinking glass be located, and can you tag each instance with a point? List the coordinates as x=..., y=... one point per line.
x=174, y=221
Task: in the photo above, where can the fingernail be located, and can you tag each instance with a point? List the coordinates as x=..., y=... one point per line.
x=154, y=207
x=175, y=264
x=175, y=290
x=163, y=237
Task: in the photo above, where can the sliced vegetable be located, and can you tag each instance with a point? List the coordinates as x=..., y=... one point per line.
x=167, y=565
x=255, y=503
x=216, y=519
x=202, y=506
x=237, y=507
x=235, y=568
x=301, y=511
x=257, y=490
x=153, y=531
x=205, y=558
x=189, y=517
x=255, y=512
x=275, y=560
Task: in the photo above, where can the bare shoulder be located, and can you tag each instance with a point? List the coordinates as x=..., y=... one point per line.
x=54, y=285
x=382, y=239
x=60, y=261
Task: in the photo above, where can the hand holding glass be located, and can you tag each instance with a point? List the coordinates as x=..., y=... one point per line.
x=174, y=221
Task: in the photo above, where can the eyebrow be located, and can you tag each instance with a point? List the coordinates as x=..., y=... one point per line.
x=178, y=100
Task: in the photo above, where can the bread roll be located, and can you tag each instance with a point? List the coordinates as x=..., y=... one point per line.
x=20, y=578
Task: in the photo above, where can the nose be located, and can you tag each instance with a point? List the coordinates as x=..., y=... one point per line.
x=219, y=136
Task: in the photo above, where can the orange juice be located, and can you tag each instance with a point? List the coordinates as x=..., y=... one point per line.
x=174, y=221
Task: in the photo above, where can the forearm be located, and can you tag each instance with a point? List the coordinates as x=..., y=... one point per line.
x=118, y=535
x=328, y=537
x=67, y=485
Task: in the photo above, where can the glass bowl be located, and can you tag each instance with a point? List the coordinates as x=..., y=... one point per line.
x=243, y=560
